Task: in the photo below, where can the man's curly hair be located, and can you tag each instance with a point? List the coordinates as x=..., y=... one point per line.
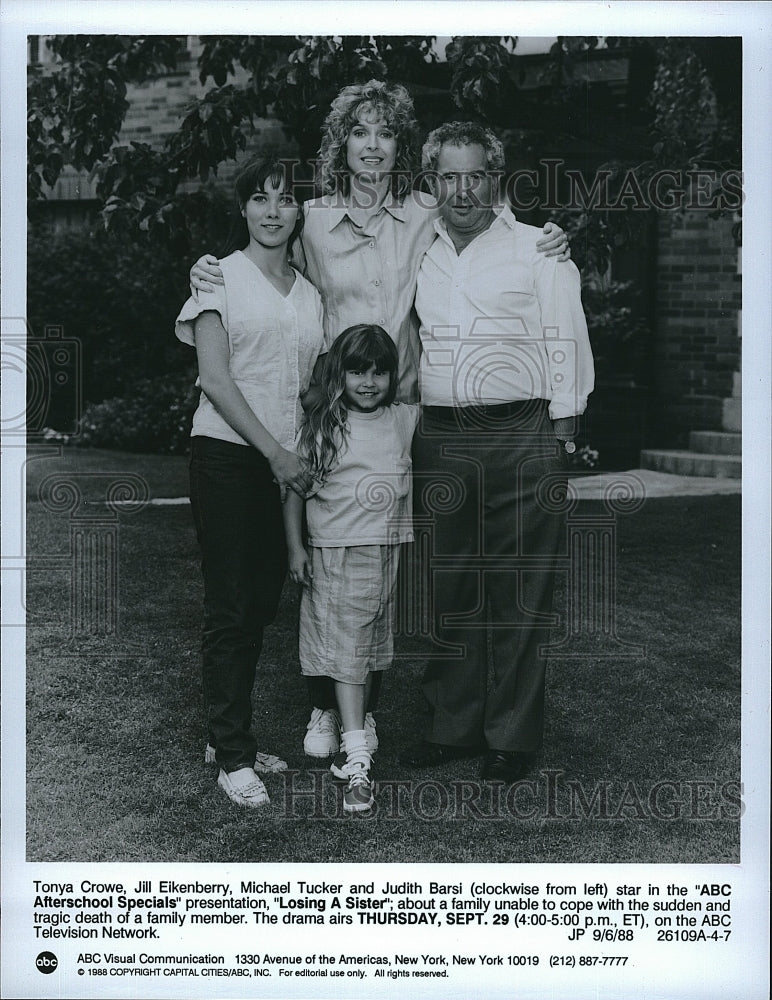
x=462, y=134
x=389, y=101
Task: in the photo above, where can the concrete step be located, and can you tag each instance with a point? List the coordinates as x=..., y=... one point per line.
x=692, y=463
x=716, y=442
x=732, y=414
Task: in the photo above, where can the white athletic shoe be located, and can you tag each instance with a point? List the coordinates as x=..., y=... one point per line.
x=322, y=737
x=244, y=788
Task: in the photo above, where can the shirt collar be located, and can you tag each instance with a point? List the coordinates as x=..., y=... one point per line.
x=504, y=217
x=341, y=210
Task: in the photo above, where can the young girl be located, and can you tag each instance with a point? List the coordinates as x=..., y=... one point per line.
x=257, y=337
x=357, y=443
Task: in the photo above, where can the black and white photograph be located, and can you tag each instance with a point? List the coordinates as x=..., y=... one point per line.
x=361, y=618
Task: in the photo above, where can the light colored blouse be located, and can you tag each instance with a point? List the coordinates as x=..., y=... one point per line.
x=366, y=270
x=273, y=340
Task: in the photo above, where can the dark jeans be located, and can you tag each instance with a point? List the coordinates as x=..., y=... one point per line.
x=489, y=487
x=237, y=514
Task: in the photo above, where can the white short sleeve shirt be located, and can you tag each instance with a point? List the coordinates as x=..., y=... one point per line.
x=274, y=341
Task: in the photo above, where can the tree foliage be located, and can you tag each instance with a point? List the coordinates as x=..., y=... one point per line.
x=75, y=114
x=686, y=115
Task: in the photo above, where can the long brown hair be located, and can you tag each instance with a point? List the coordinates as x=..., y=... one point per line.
x=325, y=430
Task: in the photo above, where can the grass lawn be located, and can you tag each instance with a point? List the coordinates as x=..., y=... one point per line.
x=641, y=759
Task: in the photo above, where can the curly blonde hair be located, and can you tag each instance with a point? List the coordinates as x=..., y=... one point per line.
x=389, y=101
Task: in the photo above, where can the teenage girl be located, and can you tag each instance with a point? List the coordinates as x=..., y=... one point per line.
x=257, y=337
x=356, y=440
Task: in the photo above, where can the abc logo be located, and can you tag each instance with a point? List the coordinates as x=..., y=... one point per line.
x=46, y=962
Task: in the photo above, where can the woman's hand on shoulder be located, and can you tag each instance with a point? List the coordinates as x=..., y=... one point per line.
x=206, y=273
x=554, y=243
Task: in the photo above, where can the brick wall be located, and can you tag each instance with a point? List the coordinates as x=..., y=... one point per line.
x=156, y=110
x=697, y=343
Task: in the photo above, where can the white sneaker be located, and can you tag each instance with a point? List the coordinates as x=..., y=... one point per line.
x=322, y=737
x=370, y=734
x=265, y=763
x=244, y=788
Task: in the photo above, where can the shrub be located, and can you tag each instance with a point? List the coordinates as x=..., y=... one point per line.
x=118, y=299
x=154, y=417
x=619, y=333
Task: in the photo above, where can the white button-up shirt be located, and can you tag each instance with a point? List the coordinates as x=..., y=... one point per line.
x=501, y=322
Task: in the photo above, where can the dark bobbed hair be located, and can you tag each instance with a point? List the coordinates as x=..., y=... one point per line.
x=252, y=176
x=326, y=426
x=389, y=101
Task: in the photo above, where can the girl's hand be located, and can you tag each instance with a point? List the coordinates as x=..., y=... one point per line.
x=289, y=471
x=205, y=273
x=299, y=567
x=554, y=243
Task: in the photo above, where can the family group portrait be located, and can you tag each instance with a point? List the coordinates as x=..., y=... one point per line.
x=383, y=448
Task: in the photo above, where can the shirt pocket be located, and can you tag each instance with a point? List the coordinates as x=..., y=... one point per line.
x=344, y=274
x=256, y=356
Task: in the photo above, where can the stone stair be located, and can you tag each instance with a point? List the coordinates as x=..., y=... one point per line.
x=715, y=454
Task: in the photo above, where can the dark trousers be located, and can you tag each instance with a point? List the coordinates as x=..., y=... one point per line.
x=489, y=487
x=321, y=691
x=237, y=514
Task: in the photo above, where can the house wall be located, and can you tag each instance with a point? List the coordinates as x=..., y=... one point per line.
x=697, y=337
x=156, y=110
x=158, y=107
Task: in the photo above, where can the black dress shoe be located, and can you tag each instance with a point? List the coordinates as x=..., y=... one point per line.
x=425, y=754
x=506, y=765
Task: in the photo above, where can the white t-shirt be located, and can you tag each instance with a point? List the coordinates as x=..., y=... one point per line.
x=274, y=341
x=367, y=498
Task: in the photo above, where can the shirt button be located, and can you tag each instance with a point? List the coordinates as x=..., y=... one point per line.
x=377, y=281
x=371, y=243
x=382, y=321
